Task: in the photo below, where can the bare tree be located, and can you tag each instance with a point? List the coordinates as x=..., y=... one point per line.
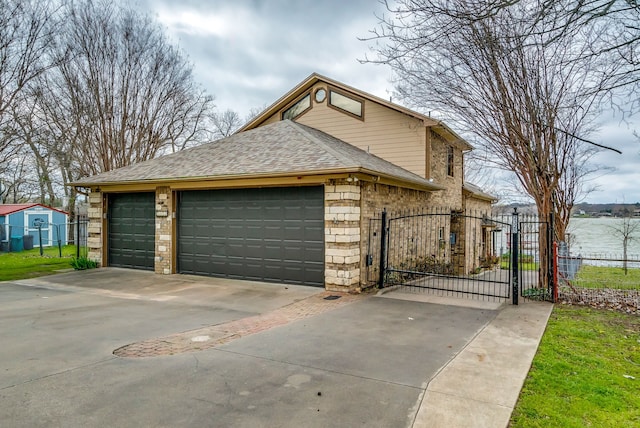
x=24, y=38
x=28, y=128
x=254, y=112
x=225, y=123
x=626, y=230
x=17, y=182
x=616, y=24
x=613, y=24
x=502, y=77
x=121, y=93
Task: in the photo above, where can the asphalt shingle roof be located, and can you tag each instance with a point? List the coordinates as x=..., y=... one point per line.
x=478, y=192
x=6, y=209
x=281, y=148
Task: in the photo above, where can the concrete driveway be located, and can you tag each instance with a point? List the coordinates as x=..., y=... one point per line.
x=287, y=356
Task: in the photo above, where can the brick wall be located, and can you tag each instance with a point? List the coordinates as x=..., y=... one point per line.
x=164, y=227
x=476, y=205
x=478, y=237
x=375, y=198
x=452, y=195
x=419, y=238
x=95, y=216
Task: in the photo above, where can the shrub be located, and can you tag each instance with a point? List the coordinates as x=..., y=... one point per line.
x=427, y=265
x=83, y=263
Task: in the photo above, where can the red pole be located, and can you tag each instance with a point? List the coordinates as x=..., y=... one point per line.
x=555, y=272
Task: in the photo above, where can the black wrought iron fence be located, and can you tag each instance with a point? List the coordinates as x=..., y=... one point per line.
x=455, y=253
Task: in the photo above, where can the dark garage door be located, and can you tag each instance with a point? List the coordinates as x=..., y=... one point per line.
x=269, y=234
x=131, y=230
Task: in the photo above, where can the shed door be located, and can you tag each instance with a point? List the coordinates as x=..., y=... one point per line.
x=38, y=224
x=269, y=234
x=131, y=230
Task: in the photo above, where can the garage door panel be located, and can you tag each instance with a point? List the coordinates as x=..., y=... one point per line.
x=254, y=251
x=263, y=234
x=131, y=230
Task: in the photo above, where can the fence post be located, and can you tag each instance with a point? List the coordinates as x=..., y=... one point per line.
x=555, y=272
x=514, y=257
x=59, y=240
x=383, y=248
x=550, y=256
x=40, y=238
x=77, y=240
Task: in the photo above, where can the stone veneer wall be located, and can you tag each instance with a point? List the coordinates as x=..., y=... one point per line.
x=342, y=235
x=164, y=227
x=95, y=215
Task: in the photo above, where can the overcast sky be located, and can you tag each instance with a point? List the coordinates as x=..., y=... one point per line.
x=248, y=53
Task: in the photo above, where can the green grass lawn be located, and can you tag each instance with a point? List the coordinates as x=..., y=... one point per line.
x=30, y=264
x=577, y=378
x=610, y=277
x=523, y=265
x=526, y=262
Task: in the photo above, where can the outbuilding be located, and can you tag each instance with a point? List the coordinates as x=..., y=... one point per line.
x=23, y=226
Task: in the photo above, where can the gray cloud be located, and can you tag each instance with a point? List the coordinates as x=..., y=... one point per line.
x=249, y=53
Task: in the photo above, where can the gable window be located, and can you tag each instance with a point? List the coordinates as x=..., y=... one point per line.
x=450, y=158
x=345, y=103
x=301, y=106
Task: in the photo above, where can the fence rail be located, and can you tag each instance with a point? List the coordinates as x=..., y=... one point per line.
x=16, y=238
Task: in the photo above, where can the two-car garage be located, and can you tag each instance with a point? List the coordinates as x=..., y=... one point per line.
x=273, y=234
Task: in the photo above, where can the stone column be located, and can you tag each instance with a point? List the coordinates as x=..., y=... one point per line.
x=342, y=235
x=94, y=228
x=164, y=231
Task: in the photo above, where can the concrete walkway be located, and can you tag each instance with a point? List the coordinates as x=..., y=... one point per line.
x=480, y=386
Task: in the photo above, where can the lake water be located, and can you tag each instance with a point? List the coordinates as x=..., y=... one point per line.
x=589, y=236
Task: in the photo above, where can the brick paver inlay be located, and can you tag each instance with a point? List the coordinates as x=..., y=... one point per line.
x=212, y=336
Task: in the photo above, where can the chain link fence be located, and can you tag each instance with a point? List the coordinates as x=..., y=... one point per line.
x=17, y=238
x=607, y=281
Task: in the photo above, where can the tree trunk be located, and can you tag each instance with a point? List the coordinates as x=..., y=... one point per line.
x=625, y=241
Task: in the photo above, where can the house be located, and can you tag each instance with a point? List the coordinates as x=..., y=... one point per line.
x=287, y=198
x=18, y=221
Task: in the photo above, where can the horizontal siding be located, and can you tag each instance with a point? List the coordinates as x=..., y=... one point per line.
x=272, y=119
x=385, y=133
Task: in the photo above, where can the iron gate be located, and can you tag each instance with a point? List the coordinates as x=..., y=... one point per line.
x=459, y=254
x=535, y=255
